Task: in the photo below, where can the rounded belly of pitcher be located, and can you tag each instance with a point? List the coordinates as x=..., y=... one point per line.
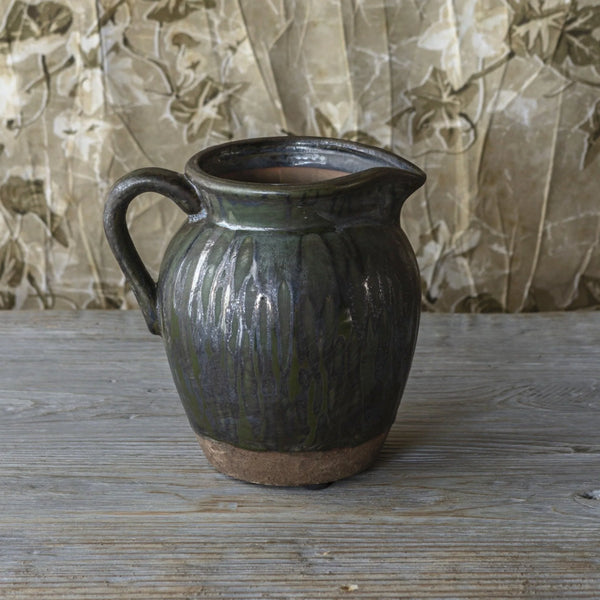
x=290, y=350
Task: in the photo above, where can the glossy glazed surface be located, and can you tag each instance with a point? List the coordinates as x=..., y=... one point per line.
x=287, y=340
x=289, y=308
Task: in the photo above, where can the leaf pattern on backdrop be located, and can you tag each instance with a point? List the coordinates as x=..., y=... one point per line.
x=202, y=108
x=536, y=27
x=557, y=31
x=592, y=141
x=443, y=261
x=481, y=303
x=167, y=11
x=496, y=99
x=438, y=115
x=12, y=271
x=29, y=20
x=21, y=197
x=330, y=121
x=467, y=37
x=579, y=40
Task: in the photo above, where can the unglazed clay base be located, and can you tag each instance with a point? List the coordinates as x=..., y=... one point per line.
x=291, y=468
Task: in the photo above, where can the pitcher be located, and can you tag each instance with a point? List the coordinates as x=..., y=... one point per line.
x=288, y=301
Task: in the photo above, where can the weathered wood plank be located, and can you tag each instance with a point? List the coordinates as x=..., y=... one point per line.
x=487, y=486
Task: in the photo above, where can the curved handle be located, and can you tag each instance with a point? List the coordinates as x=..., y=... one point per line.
x=162, y=181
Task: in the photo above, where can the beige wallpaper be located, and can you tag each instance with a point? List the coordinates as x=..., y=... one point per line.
x=499, y=101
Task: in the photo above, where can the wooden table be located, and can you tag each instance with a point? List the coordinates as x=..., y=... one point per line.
x=488, y=486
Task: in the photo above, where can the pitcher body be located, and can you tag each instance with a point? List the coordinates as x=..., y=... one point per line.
x=288, y=301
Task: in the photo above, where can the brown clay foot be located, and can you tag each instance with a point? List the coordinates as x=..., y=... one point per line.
x=318, y=468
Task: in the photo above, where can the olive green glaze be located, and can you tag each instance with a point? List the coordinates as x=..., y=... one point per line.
x=289, y=312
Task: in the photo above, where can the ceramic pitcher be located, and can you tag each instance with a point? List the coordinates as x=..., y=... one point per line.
x=288, y=301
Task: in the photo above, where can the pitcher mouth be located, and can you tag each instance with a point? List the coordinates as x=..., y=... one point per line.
x=294, y=175
x=289, y=164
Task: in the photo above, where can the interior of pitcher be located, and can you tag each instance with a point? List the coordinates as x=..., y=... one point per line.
x=289, y=175
x=292, y=160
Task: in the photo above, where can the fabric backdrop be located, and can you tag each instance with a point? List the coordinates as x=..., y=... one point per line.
x=498, y=101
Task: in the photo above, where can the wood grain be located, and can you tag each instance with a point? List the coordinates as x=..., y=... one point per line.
x=488, y=486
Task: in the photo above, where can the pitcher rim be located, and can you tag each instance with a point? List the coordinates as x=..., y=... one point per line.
x=312, y=151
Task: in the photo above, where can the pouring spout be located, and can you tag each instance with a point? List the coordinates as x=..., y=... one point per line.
x=409, y=179
x=372, y=195
x=394, y=185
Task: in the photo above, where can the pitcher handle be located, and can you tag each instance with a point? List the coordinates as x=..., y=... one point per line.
x=171, y=184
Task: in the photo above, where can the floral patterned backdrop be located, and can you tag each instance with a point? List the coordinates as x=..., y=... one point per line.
x=498, y=100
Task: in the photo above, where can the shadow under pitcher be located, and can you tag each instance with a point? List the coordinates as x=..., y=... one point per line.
x=288, y=301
